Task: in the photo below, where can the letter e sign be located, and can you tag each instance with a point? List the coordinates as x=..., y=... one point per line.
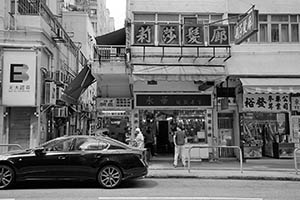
x=18, y=73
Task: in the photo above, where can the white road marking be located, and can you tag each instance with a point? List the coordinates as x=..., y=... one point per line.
x=6, y=199
x=176, y=198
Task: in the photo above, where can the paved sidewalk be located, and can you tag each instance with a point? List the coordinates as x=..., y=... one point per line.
x=256, y=169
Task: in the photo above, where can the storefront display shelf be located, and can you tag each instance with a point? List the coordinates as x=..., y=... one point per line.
x=252, y=151
x=283, y=150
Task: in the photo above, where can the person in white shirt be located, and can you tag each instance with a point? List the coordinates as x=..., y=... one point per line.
x=139, y=138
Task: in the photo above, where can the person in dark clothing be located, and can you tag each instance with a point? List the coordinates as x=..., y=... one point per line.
x=149, y=141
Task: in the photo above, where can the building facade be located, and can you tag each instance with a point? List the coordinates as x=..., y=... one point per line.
x=189, y=70
x=39, y=59
x=98, y=13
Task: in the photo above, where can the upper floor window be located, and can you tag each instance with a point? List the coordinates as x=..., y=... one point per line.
x=273, y=28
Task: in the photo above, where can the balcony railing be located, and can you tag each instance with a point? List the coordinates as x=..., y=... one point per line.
x=39, y=7
x=112, y=53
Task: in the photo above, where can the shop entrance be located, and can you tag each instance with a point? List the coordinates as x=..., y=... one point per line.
x=225, y=127
x=163, y=144
x=163, y=124
x=266, y=134
x=19, y=126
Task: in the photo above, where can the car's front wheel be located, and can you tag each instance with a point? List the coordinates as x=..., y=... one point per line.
x=109, y=176
x=7, y=176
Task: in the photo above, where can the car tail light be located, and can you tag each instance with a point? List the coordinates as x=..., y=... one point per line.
x=143, y=157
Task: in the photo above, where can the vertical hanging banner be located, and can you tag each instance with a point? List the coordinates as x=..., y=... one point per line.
x=19, y=78
x=169, y=34
x=218, y=35
x=143, y=34
x=246, y=27
x=193, y=35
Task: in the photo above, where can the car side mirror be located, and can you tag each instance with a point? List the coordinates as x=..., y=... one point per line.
x=40, y=151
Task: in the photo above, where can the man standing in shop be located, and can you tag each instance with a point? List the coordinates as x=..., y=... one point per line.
x=179, y=142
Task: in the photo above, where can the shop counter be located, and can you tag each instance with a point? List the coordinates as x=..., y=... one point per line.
x=197, y=153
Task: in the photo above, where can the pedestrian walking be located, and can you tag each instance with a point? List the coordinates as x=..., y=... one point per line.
x=179, y=142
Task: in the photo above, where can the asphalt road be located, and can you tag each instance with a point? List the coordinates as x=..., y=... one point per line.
x=175, y=189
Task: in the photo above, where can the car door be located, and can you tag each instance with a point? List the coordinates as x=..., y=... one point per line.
x=86, y=154
x=52, y=163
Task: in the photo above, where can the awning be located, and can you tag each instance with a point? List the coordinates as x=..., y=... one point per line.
x=178, y=73
x=271, y=85
x=117, y=37
x=81, y=82
x=114, y=85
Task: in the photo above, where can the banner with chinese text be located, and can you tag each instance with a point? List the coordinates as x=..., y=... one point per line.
x=193, y=34
x=143, y=34
x=173, y=100
x=169, y=34
x=218, y=35
x=113, y=104
x=266, y=102
x=19, y=78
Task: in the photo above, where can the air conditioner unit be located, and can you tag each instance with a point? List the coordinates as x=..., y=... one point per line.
x=59, y=76
x=50, y=93
x=59, y=33
x=59, y=92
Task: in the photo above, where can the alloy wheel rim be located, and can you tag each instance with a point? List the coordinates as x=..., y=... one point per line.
x=110, y=177
x=6, y=176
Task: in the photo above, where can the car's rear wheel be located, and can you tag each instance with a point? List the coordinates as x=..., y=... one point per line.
x=109, y=176
x=7, y=176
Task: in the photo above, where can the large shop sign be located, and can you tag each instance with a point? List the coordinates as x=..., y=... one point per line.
x=266, y=102
x=173, y=100
x=19, y=78
x=170, y=34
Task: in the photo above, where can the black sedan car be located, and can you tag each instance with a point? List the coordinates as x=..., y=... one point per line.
x=100, y=158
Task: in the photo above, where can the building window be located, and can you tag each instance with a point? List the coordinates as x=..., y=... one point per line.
x=263, y=33
x=295, y=32
x=168, y=18
x=271, y=28
x=144, y=17
x=284, y=32
x=275, y=33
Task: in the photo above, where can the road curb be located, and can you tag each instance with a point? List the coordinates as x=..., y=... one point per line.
x=226, y=177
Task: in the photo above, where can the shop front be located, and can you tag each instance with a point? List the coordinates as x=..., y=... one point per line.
x=268, y=128
x=163, y=112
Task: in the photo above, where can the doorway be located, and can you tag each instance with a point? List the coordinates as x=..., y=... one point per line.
x=163, y=144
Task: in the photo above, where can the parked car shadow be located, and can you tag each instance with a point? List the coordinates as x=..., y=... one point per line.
x=136, y=183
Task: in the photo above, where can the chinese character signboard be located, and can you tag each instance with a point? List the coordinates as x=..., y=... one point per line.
x=218, y=35
x=173, y=100
x=295, y=102
x=19, y=78
x=169, y=34
x=246, y=27
x=113, y=104
x=193, y=35
x=144, y=34
x=266, y=102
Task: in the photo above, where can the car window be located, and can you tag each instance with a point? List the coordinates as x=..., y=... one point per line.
x=90, y=144
x=64, y=144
